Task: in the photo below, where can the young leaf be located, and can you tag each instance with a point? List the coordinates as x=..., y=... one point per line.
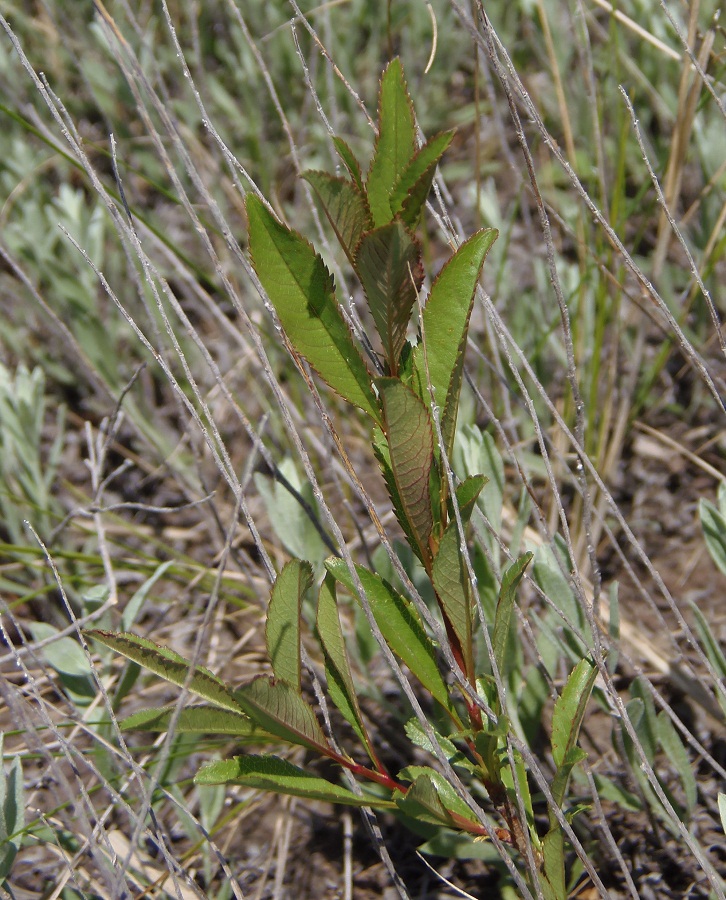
x=505, y=607
x=388, y=263
x=270, y=773
x=396, y=142
x=282, y=631
x=467, y=493
x=414, y=185
x=446, y=325
x=400, y=625
x=407, y=426
x=169, y=665
x=570, y=707
x=346, y=208
x=337, y=668
x=280, y=710
x=302, y=292
x=350, y=162
x=199, y=720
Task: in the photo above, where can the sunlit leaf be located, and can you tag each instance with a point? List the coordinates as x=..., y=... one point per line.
x=432, y=799
x=346, y=208
x=446, y=325
x=407, y=426
x=350, y=162
x=270, y=773
x=569, y=709
x=452, y=588
x=388, y=263
x=678, y=755
x=337, y=668
x=282, y=630
x=199, y=720
x=400, y=626
x=169, y=665
x=395, y=144
x=413, y=187
x=302, y=292
x=505, y=608
x=279, y=709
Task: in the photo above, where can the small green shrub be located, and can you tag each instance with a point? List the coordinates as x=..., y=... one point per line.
x=410, y=392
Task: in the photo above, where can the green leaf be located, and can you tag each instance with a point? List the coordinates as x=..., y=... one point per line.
x=65, y=654
x=383, y=455
x=288, y=516
x=337, y=667
x=548, y=574
x=282, y=630
x=722, y=810
x=133, y=607
x=270, y=773
x=456, y=757
x=400, y=626
x=280, y=710
x=302, y=292
x=467, y=493
x=407, y=426
x=388, y=263
x=677, y=754
x=432, y=799
x=395, y=144
x=569, y=709
x=169, y=665
x=350, y=162
x=346, y=208
x=452, y=587
x=573, y=757
x=505, y=608
x=713, y=524
x=12, y=812
x=552, y=880
x=199, y=720
x=413, y=187
x=446, y=325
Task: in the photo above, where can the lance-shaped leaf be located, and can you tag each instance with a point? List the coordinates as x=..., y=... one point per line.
x=302, y=291
x=569, y=709
x=350, y=162
x=432, y=799
x=337, y=668
x=270, y=773
x=505, y=608
x=388, y=263
x=400, y=626
x=380, y=448
x=346, y=208
x=450, y=577
x=199, y=720
x=282, y=631
x=169, y=665
x=407, y=426
x=414, y=185
x=446, y=325
x=279, y=709
x=395, y=144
